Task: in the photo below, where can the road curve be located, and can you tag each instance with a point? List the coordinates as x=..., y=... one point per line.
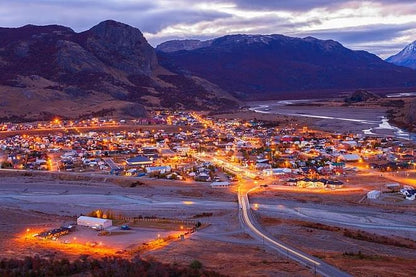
x=251, y=226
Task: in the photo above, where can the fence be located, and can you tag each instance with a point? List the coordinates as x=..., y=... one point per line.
x=160, y=220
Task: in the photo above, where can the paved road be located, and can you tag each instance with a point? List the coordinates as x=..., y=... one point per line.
x=253, y=228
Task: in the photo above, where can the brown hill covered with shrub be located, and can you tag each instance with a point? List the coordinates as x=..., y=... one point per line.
x=52, y=70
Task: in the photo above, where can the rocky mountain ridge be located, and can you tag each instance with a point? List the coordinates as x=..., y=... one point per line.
x=277, y=66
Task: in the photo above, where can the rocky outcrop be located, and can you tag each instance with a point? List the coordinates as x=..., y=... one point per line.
x=362, y=95
x=120, y=46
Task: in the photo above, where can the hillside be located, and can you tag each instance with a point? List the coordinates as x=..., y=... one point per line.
x=111, y=69
x=276, y=66
x=108, y=69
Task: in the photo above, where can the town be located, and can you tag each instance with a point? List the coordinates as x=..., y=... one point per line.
x=212, y=156
x=200, y=148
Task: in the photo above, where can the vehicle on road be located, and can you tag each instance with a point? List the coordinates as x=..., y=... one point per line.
x=125, y=227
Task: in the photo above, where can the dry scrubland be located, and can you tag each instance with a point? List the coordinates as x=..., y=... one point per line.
x=230, y=258
x=341, y=228
x=357, y=252
x=221, y=246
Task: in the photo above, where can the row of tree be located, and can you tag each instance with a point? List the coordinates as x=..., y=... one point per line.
x=108, y=266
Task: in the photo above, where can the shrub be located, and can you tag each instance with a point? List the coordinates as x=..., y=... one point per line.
x=107, y=266
x=6, y=164
x=196, y=265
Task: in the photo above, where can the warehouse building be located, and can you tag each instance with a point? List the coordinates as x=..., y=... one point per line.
x=93, y=222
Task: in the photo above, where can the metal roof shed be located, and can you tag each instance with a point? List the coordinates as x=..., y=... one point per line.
x=94, y=222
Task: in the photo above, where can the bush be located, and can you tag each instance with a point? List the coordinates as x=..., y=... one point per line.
x=196, y=265
x=204, y=214
x=135, y=184
x=107, y=266
x=365, y=236
x=6, y=164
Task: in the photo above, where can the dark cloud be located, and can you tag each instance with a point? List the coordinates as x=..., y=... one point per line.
x=81, y=14
x=289, y=5
x=305, y=5
x=376, y=39
x=157, y=20
x=383, y=51
x=369, y=33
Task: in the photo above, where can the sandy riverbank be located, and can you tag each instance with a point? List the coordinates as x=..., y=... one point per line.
x=335, y=117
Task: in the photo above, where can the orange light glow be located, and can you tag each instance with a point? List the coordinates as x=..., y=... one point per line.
x=29, y=238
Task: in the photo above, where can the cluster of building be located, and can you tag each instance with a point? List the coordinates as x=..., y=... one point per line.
x=408, y=192
x=177, y=118
x=301, y=153
x=301, y=157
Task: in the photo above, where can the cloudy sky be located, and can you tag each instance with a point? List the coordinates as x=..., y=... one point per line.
x=382, y=27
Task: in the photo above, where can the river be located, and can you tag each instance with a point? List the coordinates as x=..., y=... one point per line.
x=368, y=121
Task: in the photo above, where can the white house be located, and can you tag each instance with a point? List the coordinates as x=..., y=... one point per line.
x=220, y=184
x=410, y=194
x=350, y=157
x=276, y=171
x=160, y=169
x=373, y=194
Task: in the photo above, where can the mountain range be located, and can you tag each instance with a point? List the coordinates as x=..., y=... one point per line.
x=111, y=69
x=276, y=66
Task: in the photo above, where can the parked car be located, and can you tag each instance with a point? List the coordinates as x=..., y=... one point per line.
x=125, y=227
